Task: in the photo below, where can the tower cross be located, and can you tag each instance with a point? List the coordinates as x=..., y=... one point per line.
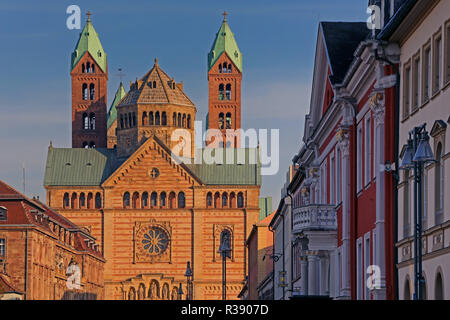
x=225, y=15
x=89, y=15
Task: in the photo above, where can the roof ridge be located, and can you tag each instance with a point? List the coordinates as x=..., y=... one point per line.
x=169, y=100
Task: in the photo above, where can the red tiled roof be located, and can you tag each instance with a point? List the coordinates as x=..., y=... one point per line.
x=24, y=211
x=269, y=218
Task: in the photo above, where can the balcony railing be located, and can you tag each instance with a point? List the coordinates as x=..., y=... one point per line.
x=315, y=217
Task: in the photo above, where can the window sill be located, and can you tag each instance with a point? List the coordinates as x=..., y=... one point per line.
x=436, y=94
x=424, y=103
x=405, y=118
x=445, y=87
x=414, y=111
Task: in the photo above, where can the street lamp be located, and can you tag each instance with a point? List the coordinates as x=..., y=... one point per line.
x=180, y=292
x=417, y=153
x=225, y=252
x=188, y=276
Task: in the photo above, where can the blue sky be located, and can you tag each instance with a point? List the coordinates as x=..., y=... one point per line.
x=277, y=39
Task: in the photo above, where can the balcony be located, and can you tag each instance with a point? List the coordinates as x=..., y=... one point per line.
x=318, y=217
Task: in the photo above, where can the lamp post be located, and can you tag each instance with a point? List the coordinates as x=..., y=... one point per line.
x=188, y=276
x=225, y=252
x=180, y=292
x=418, y=153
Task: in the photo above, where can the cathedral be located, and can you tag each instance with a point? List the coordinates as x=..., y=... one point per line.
x=151, y=211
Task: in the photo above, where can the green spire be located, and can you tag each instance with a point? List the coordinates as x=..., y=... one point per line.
x=225, y=42
x=112, y=113
x=89, y=42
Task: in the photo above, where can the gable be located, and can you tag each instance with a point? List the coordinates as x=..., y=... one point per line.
x=138, y=169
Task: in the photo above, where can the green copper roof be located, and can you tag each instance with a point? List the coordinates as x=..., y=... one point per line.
x=79, y=167
x=112, y=113
x=248, y=172
x=225, y=42
x=89, y=42
x=91, y=167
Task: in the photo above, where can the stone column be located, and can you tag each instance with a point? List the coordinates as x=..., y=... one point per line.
x=333, y=273
x=378, y=107
x=324, y=283
x=304, y=276
x=343, y=138
x=313, y=283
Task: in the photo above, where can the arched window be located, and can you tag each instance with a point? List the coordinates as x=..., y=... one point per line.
x=98, y=200
x=224, y=67
x=157, y=118
x=83, y=68
x=132, y=294
x=88, y=67
x=221, y=121
x=85, y=144
x=144, y=201
x=228, y=91
x=154, y=84
x=407, y=291
x=92, y=91
x=228, y=120
x=220, y=68
x=150, y=118
x=92, y=144
x=226, y=241
x=92, y=121
x=179, y=120
x=134, y=119
x=224, y=200
x=135, y=199
x=141, y=292
x=189, y=121
x=121, y=121
x=423, y=284
x=82, y=200
x=66, y=201
x=144, y=118
x=84, y=91
x=240, y=200
x=221, y=91
x=126, y=200
x=130, y=122
x=209, y=200
x=154, y=199
x=229, y=68
x=439, y=287
x=439, y=185
x=164, y=119
x=172, y=200
x=232, y=200
x=174, y=119
x=162, y=200
x=89, y=203
x=184, y=121
x=85, y=121
x=181, y=200
x=73, y=202
x=217, y=200
x=93, y=68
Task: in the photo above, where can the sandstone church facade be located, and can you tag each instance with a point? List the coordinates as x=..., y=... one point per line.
x=150, y=212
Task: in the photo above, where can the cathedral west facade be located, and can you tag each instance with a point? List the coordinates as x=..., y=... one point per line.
x=150, y=212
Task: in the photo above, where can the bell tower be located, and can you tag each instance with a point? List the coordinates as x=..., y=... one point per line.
x=224, y=77
x=89, y=73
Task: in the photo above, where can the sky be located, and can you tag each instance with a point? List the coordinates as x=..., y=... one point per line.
x=276, y=37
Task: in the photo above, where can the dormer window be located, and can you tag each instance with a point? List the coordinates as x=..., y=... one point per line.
x=3, y=213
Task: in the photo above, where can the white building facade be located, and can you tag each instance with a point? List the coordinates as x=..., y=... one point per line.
x=424, y=38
